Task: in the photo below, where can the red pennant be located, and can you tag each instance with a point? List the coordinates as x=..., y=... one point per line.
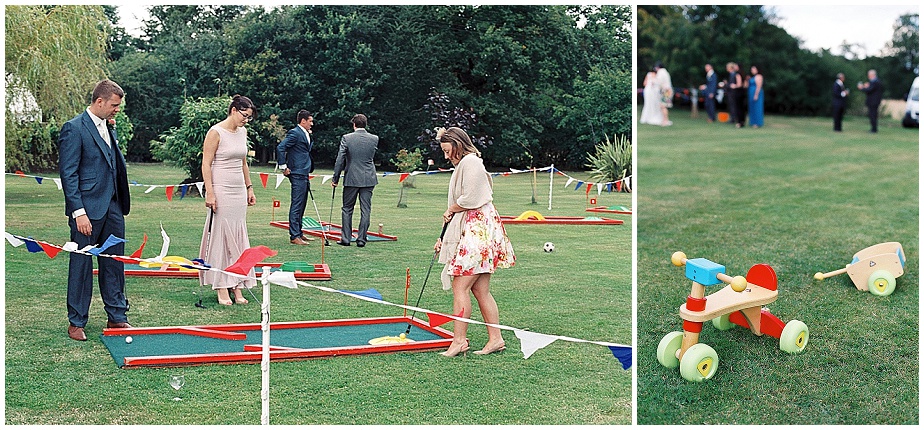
x=619, y=186
x=170, y=193
x=51, y=250
x=588, y=189
x=249, y=258
x=20, y=173
x=403, y=177
x=263, y=178
x=440, y=319
x=310, y=177
x=126, y=260
x=137, y=254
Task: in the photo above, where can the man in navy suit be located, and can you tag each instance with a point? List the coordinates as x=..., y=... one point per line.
x=873, y=90
x=96, y=201
x=839, y=95
x=294, y=157
x=709, y=91
x=355, y=155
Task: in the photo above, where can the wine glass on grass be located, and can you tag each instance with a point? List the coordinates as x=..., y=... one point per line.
x=176, y=381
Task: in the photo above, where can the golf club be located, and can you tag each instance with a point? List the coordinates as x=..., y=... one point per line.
x=208, y=246
x=432, y=259
x=326, y=243
x=330, y=218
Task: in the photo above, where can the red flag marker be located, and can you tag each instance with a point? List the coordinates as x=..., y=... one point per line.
x=249, y=258
x=263, y=178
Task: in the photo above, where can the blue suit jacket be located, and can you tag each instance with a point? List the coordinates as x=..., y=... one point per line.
x=712, y=83
x=90, y=172
x=295, y=152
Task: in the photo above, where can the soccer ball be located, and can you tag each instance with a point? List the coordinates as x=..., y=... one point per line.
x=548, y=247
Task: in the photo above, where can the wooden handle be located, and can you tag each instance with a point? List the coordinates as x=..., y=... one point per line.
x=819, y=276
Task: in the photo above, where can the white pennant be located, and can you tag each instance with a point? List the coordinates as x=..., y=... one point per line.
x=57, y=182
x=325, y=178
x=199, y=187
x=570, y=180
x=70, y=246
x=531, y=342
x=165, y=247
x=150, y=189
x=13, y=240
x=599, y=189
x=279, y=177
x=285, y=279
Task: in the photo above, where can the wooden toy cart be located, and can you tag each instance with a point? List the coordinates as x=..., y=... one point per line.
x=738, y=303
x=874, y=269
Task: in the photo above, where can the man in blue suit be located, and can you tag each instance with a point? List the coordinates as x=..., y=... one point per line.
x=873, y=90
x=709, y=91
x=96, y=201
x=294, y=157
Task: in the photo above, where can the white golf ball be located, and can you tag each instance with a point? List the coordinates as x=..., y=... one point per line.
x=548, y=247
x=128, y=339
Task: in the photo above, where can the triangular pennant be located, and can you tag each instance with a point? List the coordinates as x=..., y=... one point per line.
x=249, y=258
x=263, y=178
x=38, y=179
x=279, y=178
x=531, y=342
x=436, y=319
x=165, y=247
x=403, y=177
x=588, y=189
x=32, y=245
x=286, y=279
x=51, y=250
x=57, y=182
x=576, y=187
x=599, y=189
x=619, y=187
x=371, y=293
x=20, y=174
x=137, y=254
x=623, y=354
x=13, y=240
x=183, y=189
x=570, y=180
x=69, y=246
x=325, y=178
x=199, y=187
x=170, y=193
x=110, y=241
x=151, y=188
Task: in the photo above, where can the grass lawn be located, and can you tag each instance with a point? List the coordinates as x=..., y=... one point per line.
x=803, y=199
x=583, y=290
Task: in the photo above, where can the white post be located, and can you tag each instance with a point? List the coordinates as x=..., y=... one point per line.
x=551, y=176
x=265, y=361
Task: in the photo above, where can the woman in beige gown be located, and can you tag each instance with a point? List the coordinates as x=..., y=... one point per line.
x=228, y=192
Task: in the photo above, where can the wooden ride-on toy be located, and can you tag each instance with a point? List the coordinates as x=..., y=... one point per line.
x=739, y=303
x=874, y=269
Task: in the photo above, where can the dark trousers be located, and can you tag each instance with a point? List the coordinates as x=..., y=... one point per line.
x=111, y=272
x=300, y=187
x=346, y=214
x=838, y=116
x=710, y=107
x=731, y=99
x=873, y=112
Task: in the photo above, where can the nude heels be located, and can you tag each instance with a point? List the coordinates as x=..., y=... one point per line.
x=450, y=353
x=498, y=348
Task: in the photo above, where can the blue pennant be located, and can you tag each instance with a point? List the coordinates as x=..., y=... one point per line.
x=112, y=240
x=32, y=245
x=371, y=293
x=623, y=354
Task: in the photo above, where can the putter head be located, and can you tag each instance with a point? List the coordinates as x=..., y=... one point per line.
x=199, y=304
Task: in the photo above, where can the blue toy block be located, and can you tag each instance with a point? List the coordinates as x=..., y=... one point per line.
x=703, y=271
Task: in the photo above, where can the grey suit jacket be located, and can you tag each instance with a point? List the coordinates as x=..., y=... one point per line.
x=357, y=150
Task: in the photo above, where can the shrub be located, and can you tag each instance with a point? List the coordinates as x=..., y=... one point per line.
x=611, y=160
x=182, y=146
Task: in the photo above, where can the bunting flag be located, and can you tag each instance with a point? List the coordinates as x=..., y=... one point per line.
x=279, y=178
x=20, y=174
x=530, y=341
x=587, y=193
x=137, y=253
x=263, y=178
x=183, y=189
x=165, y=247
x=38, y=179
x=578, y=186
x=403, y=177
x=110, y=241
x=169, y=193
x=148, y=191
x=57, y=182
x=199, y=187
x=249, y=258
x=50, y=249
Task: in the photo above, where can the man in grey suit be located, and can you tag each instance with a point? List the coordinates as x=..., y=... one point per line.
x=355, y=155
x=96, y=201
x=294, y=157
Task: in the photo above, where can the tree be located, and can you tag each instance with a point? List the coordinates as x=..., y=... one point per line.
x=182, y=146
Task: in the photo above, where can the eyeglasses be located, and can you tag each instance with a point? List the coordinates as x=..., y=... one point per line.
x=247, y=118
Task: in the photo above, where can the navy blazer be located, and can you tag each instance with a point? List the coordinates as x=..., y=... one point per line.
x=874, y=93
x=91, y=172
x=295, y=152
x=837, y=94
x=712, y=83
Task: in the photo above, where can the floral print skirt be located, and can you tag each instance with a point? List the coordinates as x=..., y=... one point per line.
x=484, y=245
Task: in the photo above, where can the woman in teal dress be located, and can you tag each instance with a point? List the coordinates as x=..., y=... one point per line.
x=756, y=98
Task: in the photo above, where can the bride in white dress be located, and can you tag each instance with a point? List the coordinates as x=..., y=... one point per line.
x=651, y=111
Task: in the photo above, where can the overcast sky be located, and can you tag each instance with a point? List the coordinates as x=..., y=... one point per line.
x=817, y=26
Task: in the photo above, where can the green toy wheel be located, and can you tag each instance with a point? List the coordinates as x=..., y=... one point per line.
x=722, y=322
x=795, y=336
x=881, y=283
x=699, y=363
x=667, y=349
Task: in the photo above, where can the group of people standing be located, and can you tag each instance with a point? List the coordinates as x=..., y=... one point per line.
x=744, y=96
x=873, y=89
x=95, y=185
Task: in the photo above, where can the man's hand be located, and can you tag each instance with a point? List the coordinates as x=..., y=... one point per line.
x=286, y=172
x=333, y=184
x=83, y=225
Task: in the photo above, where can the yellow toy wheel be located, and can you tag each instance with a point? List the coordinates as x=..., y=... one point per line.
x=881, y=283
x=699, y=363
x=667, y=349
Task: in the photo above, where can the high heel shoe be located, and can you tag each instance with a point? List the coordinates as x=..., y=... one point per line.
x=240, y=301
x=462, y=350
x=492, y=350
x=224, y=302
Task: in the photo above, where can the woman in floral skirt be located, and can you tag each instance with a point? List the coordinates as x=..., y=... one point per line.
x=475, y=243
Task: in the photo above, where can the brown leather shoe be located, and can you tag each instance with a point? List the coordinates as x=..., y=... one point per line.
x=110, y=324
x=76, y=333
x=299, y=241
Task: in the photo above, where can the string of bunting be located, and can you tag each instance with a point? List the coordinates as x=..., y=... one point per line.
x=170, y=190
x=530, y=341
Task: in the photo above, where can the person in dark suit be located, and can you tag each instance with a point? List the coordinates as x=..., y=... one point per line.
x=709, y=92
x=357, y=150
x=873, y=90
x=294, y=157
x=96, y=200
x=839, y=95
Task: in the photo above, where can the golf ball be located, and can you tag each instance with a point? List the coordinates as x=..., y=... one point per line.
x=128, y=339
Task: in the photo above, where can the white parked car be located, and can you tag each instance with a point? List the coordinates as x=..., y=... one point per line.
x=912, y=109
